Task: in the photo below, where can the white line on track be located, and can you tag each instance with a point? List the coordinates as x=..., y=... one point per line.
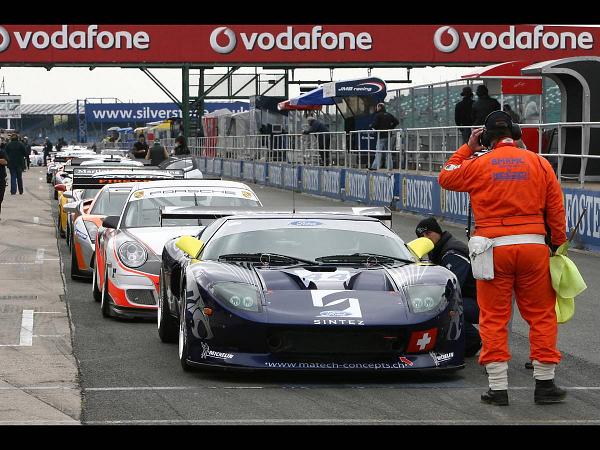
x=336, y=421
x=50, y=312
x=26, y=338
x=399, y=386
x=36, y=219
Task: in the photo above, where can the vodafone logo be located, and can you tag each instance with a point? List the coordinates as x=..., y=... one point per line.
x=224, y=49
x=66, y=38
x=316, y=39
x=537, y=39
x=439, y=35
x=5, y=39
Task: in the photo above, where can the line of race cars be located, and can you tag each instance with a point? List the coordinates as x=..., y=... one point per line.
x=241, y=286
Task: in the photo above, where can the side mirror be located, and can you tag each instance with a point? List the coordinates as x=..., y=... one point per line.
x=71, y=207
x=110, y=222
x=68, y=194
x=60, y=187
x=190, y=245
x=420, y=247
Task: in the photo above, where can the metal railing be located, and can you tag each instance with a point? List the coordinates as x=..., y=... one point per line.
x=411, y=149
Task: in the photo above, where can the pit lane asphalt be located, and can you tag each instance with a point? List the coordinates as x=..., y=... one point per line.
x=129, y=377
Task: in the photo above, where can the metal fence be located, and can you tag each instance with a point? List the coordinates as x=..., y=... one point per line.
x=411, y=149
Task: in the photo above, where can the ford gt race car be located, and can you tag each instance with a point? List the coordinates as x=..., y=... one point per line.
x=128, y=249
x=307, y=292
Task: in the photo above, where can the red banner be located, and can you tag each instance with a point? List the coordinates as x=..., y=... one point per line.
x=521, y=86
x=293, y=44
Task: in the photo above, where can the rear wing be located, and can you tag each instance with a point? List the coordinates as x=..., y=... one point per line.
x=93, y=177
x=381, y=213
x=175, y=212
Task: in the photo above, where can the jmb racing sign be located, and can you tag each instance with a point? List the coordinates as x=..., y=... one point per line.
x=264, y=44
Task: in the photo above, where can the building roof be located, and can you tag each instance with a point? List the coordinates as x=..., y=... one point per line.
x=50, y=108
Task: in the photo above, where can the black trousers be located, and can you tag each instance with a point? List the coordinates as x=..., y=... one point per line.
x=2, y=189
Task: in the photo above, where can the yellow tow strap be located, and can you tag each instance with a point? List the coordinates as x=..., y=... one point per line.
x=567, y=282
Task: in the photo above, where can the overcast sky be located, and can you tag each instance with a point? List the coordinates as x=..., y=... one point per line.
x=66, y=84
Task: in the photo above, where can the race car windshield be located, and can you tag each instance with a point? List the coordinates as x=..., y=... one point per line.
x=145, y=212
x=306, y=239
x=89, y=193
x=110, y=203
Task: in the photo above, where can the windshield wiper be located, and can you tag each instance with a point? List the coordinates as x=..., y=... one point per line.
x=265, y=258
x=361, y=257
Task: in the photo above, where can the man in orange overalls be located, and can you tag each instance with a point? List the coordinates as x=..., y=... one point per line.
x=514, y=194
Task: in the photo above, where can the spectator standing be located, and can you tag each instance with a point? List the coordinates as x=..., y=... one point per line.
x=157, y=153
x=27, y=151
x=3, y=163
x=483, y=106
x=181, y=147
x=140, y=148
x=15, y=150
x=317, y=126
x=383, y=121
x=463, y=113
x=47, y=150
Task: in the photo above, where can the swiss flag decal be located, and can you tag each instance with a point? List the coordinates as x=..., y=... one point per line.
x=422, y=341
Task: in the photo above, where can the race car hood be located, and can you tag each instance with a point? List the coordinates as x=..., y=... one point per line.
x=334, y=295
x=155, y=237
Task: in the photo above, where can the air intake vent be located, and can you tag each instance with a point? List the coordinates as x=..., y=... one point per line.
x=141, y=296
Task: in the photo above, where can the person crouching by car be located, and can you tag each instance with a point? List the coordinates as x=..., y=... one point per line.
x=454, y=256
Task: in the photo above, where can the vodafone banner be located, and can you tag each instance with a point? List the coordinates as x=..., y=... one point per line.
x=294, y=44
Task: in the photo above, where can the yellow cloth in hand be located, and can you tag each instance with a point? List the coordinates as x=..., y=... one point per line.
x=567, y=282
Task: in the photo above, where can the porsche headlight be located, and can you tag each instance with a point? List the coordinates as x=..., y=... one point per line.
x=239, y=295
x=132, y=254
x=92, y=230
x=425, y=298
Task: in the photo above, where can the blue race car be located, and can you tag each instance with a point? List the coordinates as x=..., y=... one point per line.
x=306, y=291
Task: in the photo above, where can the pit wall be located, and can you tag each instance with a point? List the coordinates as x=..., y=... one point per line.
x=420, y=194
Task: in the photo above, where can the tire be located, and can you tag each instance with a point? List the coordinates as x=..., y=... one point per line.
x=75, y=274
x=167, y=325
x=96, y=292
x=55, y=194
x=105, y=299
x=182, y=338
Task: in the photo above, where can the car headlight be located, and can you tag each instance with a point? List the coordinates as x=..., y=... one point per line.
x=132, y=254
x=425, y=298
x=92, y=230
x=239, y=295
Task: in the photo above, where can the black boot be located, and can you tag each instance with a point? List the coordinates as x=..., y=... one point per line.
x=499, y=398
x=547, y=392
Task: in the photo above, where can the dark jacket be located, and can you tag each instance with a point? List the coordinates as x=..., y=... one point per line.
x=2, y=166
x=181, y=150
x=157, y=154
x=482, y=107
x=454, y=256
x=16, y=152
x=319, y=127
x=463, y=112
x=48, y=148
x=139, y=150
x=384, y=121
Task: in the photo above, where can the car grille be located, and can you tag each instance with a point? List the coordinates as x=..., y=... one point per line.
x=141, y=296
x=337, y=342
